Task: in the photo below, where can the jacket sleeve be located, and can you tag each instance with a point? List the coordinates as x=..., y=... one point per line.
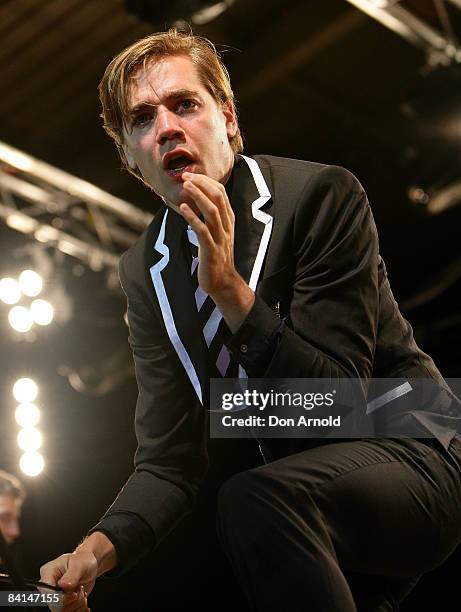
x=170, y=459
x=331, y=325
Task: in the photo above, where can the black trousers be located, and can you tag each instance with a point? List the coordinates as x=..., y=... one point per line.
x=344, y=527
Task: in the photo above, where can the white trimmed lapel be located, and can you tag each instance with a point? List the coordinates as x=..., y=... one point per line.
x=261, y=217
x=253, y=226
x=173, y=286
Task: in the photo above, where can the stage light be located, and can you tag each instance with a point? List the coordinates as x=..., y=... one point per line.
x=42, y=312
x=25, y=390
x=20, y=319
x=27, y=415
x=31, y=464
x=10, y=292
x=29, y=439
x=30, y=283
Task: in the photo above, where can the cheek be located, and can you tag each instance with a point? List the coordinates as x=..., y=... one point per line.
x=217, y=129
x=143, y=148
x=145, y=163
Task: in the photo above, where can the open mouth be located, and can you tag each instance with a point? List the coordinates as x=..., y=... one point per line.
x=177, y=164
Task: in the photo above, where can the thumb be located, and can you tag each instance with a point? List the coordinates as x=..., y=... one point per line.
x=72, y=576
x=54, y=570
x=80, y=568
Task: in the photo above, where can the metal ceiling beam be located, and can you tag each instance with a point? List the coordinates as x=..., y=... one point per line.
x=72, y=185
x=96, y=257
x=412, y=28
x=64, y=211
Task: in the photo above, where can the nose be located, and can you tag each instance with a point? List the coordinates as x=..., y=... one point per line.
x=168, y=127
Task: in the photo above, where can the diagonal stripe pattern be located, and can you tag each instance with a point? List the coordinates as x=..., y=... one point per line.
x=209, y=315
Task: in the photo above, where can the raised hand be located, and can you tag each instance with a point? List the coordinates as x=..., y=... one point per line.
x=215, y=232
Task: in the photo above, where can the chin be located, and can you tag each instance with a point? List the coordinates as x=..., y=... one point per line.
x=182, y=198
x=174, y=202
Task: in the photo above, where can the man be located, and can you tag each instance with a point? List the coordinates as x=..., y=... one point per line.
x=12, y=495
x=290, y=276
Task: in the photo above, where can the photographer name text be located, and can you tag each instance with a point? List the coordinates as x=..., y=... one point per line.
x=275, y=421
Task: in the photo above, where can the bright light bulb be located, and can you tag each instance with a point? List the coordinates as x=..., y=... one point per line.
x=29, y=439
x=42, y=312
x=31, y=463
x=10, y=291
x=25, y=390
x=30, y=283
x=27, y=415
x=20, y=319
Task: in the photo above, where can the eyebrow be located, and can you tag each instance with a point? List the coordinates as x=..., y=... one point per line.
x=168, y=96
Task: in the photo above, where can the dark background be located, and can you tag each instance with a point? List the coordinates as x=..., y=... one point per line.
x=314, y=79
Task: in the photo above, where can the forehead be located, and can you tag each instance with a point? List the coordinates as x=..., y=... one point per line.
x=158, y=77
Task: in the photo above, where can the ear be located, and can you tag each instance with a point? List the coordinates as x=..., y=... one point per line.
x=231, y=119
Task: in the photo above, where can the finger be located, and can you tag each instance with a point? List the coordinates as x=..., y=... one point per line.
x=80, y=604
x=216, y=193
x=74, y=602
x=213, y=189
x=51, y=572
x=201, y=229
x=75, y=574
x=211, y=212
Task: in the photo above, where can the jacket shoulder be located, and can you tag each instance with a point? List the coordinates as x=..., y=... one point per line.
x=295, y=175
x=287, y=163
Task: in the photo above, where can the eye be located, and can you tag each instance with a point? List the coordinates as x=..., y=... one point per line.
x=187, y=104
x=143, y=118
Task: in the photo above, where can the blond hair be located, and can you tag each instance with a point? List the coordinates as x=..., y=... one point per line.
x=114, y=87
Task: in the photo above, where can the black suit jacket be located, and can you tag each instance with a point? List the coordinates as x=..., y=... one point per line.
x=307, y=243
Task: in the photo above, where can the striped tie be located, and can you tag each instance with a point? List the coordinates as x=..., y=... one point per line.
x=210, y=316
